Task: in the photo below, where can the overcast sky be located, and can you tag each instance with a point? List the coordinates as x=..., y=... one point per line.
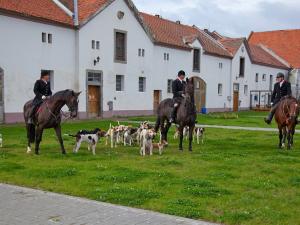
x=234, y=18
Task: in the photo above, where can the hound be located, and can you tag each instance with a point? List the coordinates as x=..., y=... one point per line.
x=147, y=136
x=185, y=133
x=91, y=137
x=129, y=136
x=112, y=134
x=199, y=134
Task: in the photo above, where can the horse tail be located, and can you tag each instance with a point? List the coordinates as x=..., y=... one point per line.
x=31, y=133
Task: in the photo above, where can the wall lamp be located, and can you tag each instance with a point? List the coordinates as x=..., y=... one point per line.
x=97, y=60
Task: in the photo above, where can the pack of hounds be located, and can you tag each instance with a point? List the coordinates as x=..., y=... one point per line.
x=143, y=136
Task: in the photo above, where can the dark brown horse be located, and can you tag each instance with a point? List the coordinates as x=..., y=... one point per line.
x=49, y=116
x=186, y=115
x=286, y=117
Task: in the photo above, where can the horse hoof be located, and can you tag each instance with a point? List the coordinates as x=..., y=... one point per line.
x=190, y=150
x=180, y=149
x=28, y=150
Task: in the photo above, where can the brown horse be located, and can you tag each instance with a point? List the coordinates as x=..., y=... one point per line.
x=49, y=116
x=286, y=117
x=186, y=115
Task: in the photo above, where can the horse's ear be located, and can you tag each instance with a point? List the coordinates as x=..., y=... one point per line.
x=192, y=80
x=187, y=79
x=76, y=94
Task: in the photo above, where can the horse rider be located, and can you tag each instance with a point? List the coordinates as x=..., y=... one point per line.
x=178, y=86
x=282, y=88
x=41, y=90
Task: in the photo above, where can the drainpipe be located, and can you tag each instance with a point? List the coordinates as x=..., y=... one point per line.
x=75, y=15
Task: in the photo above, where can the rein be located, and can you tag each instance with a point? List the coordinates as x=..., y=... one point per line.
x=57, y=117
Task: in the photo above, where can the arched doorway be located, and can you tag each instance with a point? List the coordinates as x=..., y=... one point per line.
x=1, y=95
x=200, y=93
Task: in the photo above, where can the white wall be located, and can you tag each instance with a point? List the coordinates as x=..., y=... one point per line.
x=23, y=55
x=102, y=28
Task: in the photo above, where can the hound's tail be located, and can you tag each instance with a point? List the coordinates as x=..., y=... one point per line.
x=70, y=135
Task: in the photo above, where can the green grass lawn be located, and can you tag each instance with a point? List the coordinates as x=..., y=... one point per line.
x=235, y=177
x=247, y=119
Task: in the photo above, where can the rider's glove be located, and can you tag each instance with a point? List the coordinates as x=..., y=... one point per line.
x=44, y=97
x=272, y=103
x=183, y=95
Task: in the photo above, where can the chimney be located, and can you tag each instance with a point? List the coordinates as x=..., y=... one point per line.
x=206, y=30
x=157, y=15
x=75, y=15
x=178, y=22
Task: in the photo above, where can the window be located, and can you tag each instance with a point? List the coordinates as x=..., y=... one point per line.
x=169, y=89
x=246, y=90
x=141, y=52
x=120, y=46
x=119, y=83
x=220, y=87
x=142, y=84
x=264, y=77
x=44, y=37
x=166, y=56
x=93, y=44
x=98, y=45
x=242, y=67
x=196, y=60
x=51, y=72
x=220, y=65
x=50, y=38
x=256, y=77
x=94, y=77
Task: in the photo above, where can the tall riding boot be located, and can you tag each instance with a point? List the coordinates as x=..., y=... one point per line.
x=269, y=118
x=173, y=115
x=31, y=115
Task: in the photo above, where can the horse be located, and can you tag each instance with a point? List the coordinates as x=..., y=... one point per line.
x=286, y=118
x=49, y=116
x=186, y=115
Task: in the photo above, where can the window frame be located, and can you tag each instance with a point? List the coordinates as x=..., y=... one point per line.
x=256, y=77
x=169, y=86
x=242, y=69
x=122, y=83
x=50, y=38
x=198, y=61
x=44, y=37
x=115, y=46
x=246, y=90
x=220, y=87
x=144, y=85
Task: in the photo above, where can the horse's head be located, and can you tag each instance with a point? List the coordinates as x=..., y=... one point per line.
x=72, y=103
x=294, y=111
x=189, y=88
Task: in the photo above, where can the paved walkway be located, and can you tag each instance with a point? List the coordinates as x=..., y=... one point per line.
x=24, y=206
x=228, y=127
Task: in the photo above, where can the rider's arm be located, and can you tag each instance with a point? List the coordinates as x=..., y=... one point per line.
x=289, y=89
x=273, y=94
x=50, y=92
x=36, y=90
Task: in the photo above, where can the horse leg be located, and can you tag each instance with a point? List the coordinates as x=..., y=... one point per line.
x=38, y=138
x=180, y=129
x=191, y=128
x=280, y=137
x=289, y=137
x=162, y=130
x=284, y=137
x=58, y=134
x=167, y=130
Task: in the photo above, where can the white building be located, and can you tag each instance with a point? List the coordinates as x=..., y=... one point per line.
x=121, y=59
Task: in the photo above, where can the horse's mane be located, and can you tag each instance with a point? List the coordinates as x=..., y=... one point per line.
x=63, y=92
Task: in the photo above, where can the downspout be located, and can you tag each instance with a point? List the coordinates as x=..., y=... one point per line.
x=75, y=14
x=231, y=87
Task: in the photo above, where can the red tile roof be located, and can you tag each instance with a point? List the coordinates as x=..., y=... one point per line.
x=285, y=43
x=172, y=34
x=45, y=10
x=232, y=44
x=261, y=56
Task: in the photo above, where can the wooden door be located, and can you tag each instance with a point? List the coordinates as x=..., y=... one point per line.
x=156, y=99
x=235, y=101
x=200, y=93
x=1, y=96
x=94, y=101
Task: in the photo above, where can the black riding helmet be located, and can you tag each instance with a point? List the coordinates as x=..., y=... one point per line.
x=280, y=75
x=181, y=73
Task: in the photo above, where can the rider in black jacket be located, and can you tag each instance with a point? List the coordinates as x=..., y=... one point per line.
x=41, y=90
x=281, y=89
x=178, y=86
